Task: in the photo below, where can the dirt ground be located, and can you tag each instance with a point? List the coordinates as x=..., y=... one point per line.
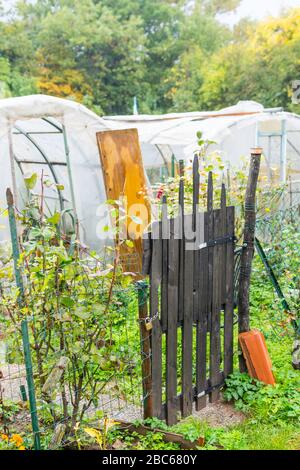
x=220, y=414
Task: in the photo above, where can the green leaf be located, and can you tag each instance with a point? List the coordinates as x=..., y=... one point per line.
x=30, y=181
x=67, y=301
x=54, y=219
x=81, y=313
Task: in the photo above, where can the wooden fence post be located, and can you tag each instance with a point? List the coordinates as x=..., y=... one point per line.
x=248, y=247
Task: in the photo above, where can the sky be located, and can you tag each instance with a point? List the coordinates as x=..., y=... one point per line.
x=258, y=9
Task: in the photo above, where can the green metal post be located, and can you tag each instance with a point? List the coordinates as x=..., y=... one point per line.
x=283, y=144
x=67, y=152
x=24, y=325
x=273, y=279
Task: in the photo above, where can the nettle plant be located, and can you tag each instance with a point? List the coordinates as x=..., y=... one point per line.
x=72, y=301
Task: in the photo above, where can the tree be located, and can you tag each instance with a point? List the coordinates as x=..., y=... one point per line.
x=259, y=66
x=200, y=36
x=78, y=50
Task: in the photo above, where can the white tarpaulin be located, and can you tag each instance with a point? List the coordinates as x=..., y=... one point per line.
x=234, y=130
x=40, y=134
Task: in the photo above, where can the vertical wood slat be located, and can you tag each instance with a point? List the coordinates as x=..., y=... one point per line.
x=201, y=325
x=210, y=250
x=215, y=350
x=171, y=340
x=165, y=227
x=228, y=314
x=209, y=269
x=196, y=227
x=222, y=268
x=223, y=246
x=156, y=332
x=203, y=273
x=187, y=330
x=181, y=242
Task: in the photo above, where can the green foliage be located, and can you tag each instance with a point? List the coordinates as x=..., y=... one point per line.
x=171, y=55
x=241, y=387
x=104, y=53
x=259, y=64
x=73, y=306
x=269, y=404
x=136, y=441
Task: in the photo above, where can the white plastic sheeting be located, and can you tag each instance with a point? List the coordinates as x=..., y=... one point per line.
x=31, y=131
x=234, y=129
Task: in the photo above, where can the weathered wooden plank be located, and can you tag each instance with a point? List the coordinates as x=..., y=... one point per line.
x=201, y=326
x=156, y=332
x=171, y=340
x=187, y=335
x=181, y=243
x=210, y=235
x=228, y=314
x=123, y=174
x=166, y=435
x=203, y=273
x=222, y=267
x=196, y=183
x=165, y=224
x=215, y=343
x=223, y=246
x=146, y=263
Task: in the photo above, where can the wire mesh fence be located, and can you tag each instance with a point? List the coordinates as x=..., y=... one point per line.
x=279, y=233
x=79, y=381
x=70, y=337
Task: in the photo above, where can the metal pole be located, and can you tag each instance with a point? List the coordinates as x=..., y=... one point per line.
x=67, y=152
x=12, y=163
x=24, y=325
x=283, y=152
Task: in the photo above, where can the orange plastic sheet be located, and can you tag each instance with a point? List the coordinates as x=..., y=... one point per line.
x=257, y=357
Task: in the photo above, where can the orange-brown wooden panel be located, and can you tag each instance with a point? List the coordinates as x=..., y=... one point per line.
x=124, y=176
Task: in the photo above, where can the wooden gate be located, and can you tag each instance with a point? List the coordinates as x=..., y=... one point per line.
x=189, y=331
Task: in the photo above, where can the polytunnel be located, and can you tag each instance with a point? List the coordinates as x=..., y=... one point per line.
x=55, y=138
x=234, y=130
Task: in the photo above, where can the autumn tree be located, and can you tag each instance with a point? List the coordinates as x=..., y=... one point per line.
x=260, y=65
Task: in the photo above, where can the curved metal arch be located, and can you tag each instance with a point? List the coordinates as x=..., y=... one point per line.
x=44, y=156
x=53, y=124
x=163, y=157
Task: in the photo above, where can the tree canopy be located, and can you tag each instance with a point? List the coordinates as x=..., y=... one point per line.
x=170, y=54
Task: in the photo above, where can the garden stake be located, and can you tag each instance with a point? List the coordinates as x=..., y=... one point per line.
x=24, y=324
